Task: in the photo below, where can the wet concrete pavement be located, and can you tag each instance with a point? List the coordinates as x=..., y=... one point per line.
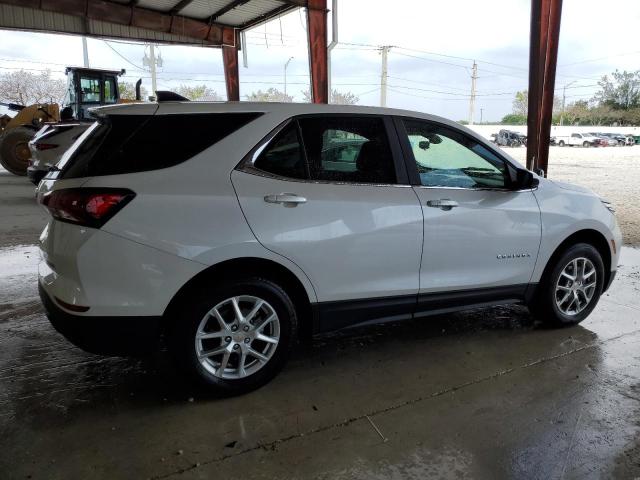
x=483, y=394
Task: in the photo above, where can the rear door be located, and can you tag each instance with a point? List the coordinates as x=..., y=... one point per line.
x=478, y=232
x=330, y=193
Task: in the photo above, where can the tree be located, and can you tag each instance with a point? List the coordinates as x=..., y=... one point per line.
x=127, y=90
x=521, y=103
x=26, y=88
x=271, y=95
x=514, y=119
x=337, y=98
x=621, y=92
x=198, y=92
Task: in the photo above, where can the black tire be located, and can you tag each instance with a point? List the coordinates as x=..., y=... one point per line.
x=14, y=149
x=182, y=333
x=561, y=143
x=544, y=306
x=585, y=144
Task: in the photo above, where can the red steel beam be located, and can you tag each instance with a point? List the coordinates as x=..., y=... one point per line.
x=555, y=14
x=317, y=32
x=231, y=74
x=543, y=56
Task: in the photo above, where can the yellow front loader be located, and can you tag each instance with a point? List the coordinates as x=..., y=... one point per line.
x=86, y=88
x=18, y=131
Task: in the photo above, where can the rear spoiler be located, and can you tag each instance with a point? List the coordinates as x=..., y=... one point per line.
x=167, y=96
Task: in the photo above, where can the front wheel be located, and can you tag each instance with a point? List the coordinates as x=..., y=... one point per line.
x=561, y=143
x=585, y=144
x=14, y=149
x=235, y=337
x=569, y=292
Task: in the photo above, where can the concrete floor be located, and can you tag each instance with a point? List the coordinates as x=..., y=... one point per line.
x=484, y=394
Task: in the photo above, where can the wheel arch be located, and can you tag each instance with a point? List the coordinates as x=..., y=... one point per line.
x=246, y=266
x=589, y=236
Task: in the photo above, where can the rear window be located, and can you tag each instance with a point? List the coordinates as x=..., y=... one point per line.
x=138, y=143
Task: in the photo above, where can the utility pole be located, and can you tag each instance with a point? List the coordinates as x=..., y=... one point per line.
x=85, y=52
x=472, y=98
x=564, y=97
x=285, y=75
x=152, y=62
x=383, y=76
x=481, y=110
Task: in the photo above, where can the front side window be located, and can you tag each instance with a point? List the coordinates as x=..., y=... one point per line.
x=348, y=149
x=446, y=158
x=89, y=89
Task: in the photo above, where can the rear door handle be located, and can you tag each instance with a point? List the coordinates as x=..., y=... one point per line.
x=286, y=199
x=443, y=204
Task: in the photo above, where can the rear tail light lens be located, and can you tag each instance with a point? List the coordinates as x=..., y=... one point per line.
x=90, y=207
x=45, y=146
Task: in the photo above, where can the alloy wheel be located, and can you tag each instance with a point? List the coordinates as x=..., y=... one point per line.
x=576, y=286
x=237, y=337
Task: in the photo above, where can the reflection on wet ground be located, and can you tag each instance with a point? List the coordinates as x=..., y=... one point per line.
x=481, y=394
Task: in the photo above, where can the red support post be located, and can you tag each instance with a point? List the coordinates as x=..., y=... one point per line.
x=543, y=56
x=317, y=31
x=230, y=61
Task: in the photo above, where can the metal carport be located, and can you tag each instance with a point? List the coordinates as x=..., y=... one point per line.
x=207, y=23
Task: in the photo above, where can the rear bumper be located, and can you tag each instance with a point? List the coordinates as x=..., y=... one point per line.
x=125, y=336
x=35, y=175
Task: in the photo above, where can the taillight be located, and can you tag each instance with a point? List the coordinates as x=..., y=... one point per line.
x=91, y=207
x=45, y=146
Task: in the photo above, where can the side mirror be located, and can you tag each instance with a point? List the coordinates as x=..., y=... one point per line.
x=525, y=180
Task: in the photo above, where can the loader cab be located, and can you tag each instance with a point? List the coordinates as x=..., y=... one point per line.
x=90, y=87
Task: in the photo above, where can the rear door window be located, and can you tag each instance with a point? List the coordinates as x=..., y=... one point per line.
x=348, y=149
x=137, y=143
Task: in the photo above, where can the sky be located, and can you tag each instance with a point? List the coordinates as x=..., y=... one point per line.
x=434, y=45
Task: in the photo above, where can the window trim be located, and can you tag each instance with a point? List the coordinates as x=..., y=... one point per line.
x=402, y=175
x=410, y=161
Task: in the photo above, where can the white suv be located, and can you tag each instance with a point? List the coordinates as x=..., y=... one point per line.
x=231, y=229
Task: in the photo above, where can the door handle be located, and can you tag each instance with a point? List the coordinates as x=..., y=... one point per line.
x=286, y=199
x=443, y=204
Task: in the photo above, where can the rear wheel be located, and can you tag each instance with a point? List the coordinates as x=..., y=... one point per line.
x=569, y=292
x=14, y=149
x=235, y=337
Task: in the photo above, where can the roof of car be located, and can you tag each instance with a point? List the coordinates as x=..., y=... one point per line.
x=167, y=108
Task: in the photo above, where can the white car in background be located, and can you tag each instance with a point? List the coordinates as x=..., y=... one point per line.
x=49, y=144
x=232, y=229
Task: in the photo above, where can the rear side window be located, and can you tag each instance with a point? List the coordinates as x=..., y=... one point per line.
x=138, y=143
x=332, y=149
x=284, y=156
x=348, y=149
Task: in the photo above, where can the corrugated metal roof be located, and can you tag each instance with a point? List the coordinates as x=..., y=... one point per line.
x=145, y=20
x=203, y=8
x=249, y=11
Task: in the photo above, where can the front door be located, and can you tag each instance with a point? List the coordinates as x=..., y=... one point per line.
x=479, y=233
x=326, y=192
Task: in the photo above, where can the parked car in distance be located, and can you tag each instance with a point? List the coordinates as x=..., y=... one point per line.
x=509, y=138
x=48, y=145
x=630, y=140
x=601, y=140
x=231, y=230
x=611, y=140
x=578, y=139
